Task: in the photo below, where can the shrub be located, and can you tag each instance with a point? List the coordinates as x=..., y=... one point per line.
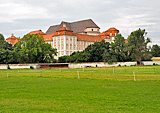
x=31, y=67
x=119, y=65
x=8, y=67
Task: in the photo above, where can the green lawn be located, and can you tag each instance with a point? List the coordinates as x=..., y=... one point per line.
x=97, y=90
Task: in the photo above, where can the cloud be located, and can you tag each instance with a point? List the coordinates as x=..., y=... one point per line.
x=13, y=11
x=23, y=16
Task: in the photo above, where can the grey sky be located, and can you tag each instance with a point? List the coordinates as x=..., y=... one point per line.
x=22, y=16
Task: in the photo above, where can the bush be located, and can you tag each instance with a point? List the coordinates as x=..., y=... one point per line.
x=119, y=65
x=31, y=67
x=8, y=67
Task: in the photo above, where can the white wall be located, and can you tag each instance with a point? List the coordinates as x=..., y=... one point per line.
x=100, y=64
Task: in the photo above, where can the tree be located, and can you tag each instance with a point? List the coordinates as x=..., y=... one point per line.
x=96, y=51
x=119, y=47
x=155, y=51
x=137, y=45
x=7, y=56
x=32, y=49
x=3, y=44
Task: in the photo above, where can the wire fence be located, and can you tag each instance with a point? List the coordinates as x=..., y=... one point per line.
x=113, y=73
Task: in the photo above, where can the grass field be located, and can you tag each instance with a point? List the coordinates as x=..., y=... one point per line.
x=97, y=90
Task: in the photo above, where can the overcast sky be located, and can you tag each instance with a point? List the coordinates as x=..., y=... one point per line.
x=22, y=16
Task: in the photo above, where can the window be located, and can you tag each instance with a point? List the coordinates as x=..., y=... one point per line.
x=67, y=41
x=67, y=47
x=54, y=38
x=70, y=48
x=62, y=41
x=79, y=42
x=67, y=53
x=86, y=43
x=58, y=48
x=62, y=53
x=58, y=42
x=62, y=47
x=79, y=48
x=58, y=37
x=62, y=37
x=70, y=41
x=115, y=34
x=55, y=42
x=110, y=34
x=74, y=42
x=74, y=48
x=83, y=43
x=83, y=48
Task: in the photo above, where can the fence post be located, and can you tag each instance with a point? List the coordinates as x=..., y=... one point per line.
x=78, y=74
x=134, y=76
x=113, y=69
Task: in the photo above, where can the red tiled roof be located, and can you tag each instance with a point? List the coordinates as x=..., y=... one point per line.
x=126, y=40
x=48, y=37
x=91, y=38
x=112, y=29
x=64, y=31
x=37, y=32
x=12, y=40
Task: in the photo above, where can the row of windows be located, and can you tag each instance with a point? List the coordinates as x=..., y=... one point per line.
x=74, y=48
x=67, y=53
x=74, y=42
x=62, y=37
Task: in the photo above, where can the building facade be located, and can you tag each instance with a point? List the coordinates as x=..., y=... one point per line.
x=72, y=37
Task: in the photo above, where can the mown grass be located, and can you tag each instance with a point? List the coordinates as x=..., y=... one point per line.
x=97, y=90
x=32, y=94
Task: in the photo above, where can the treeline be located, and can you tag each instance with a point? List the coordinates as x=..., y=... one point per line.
x=118, y=51
x=33, y=49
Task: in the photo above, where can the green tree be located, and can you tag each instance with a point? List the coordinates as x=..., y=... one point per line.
x=7, y=56
x=33, y=49
x=3, y=44
x=119, y=47
x=137, y=45
x=155, y=50
x=96, y=51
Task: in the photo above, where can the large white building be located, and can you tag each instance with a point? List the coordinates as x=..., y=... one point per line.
x=76, y=36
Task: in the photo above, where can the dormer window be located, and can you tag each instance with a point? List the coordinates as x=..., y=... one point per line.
x=110, y=34
x=58, y=33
